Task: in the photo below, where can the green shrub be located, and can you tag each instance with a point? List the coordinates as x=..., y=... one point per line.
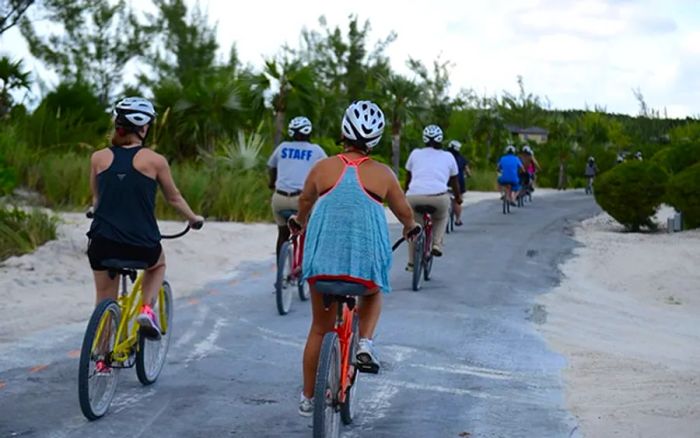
x=63, y=180
x=22, y=232
x=683, y=155
x=661, y=157
x=682, y=194
x=631, y=192
x=482, y=180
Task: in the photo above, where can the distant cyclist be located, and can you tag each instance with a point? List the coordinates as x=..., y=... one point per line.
x=347, y=236
x=590, y=172
x=288, y=167
x=638, y=156
x=510, y=168
x=124, y=179
x=430, y=170
x=531, y=167
x=463, y=168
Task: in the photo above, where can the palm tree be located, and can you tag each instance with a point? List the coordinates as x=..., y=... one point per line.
x=402, y=96
x=12, y=77
x=295, y=91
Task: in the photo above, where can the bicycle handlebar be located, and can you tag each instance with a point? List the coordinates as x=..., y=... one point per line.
x=90, y=214
x=411, y=234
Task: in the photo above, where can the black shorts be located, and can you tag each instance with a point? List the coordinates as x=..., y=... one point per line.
x=100, y=249
x=525, y=179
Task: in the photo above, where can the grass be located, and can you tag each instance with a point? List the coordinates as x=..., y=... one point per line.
x=22, y=232
x=483, y=180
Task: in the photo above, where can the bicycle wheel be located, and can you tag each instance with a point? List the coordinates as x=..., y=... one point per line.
x=347, y=409
x=151, y=354
x=418, y=262
x=505, y=205
x=303, y=288
x=95, y=390
x=284, y=272
x=326, y=416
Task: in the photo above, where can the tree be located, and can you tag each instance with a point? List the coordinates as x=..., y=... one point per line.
x=403, y=98
x=525, y=109
x=98, y=38
x=12, y=77
x=436, y=85
x=11, y=12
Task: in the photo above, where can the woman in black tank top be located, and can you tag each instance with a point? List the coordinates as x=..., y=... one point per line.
x=124, y=179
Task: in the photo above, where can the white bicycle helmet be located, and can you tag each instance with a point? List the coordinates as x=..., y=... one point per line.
x=591, y=159
x=510, y=149
x=528, y=150
x=299, y=125
x=432, y=133
x=135, y=112
x=455, y=145
x=363, y=123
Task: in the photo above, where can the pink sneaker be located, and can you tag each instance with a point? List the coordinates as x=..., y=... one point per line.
x=149, y=324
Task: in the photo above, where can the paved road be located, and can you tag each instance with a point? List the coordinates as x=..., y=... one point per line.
x=462, y=357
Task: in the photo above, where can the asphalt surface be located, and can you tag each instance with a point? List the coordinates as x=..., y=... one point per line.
x=461, y=357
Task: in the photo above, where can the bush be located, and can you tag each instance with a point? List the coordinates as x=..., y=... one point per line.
x=22, y=232
x=631, y=192
x=482, y=180
x=682, y=156
x=682, y=194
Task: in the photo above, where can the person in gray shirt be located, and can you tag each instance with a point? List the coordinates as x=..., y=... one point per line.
x=288, y=166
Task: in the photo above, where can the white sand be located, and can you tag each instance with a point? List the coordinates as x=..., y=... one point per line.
x=54, y=285
x=627, y=318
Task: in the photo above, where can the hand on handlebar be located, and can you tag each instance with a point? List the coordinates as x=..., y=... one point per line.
x=294, y=225
x=196, y=222
x=412, y=231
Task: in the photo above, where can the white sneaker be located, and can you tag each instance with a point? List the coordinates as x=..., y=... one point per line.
x=367, y=360
x=306, y=406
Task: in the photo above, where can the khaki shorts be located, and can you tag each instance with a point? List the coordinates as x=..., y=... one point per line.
x=281, y=202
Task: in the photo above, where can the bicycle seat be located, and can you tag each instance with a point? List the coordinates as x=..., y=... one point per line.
x=124, y=267
x=339, y=287
x=286, y=214
x=423, y=209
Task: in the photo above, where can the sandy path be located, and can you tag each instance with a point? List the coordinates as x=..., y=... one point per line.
x=627, y=318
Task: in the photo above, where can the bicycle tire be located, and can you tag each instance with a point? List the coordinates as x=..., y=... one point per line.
x=303, y=288
x=148, y=367
x=347, y=409
x=427, y=268
x=418, y=262
x=505, y=205
x=92, y=410
x=326, y=422
x=283, y=291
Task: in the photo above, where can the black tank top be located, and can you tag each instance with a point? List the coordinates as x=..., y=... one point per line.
x=126, y=204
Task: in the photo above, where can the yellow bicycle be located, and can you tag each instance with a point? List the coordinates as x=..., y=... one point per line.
x=113, y=337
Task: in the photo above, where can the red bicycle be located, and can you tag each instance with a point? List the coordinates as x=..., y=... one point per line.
x=336, y=376
x=423, y=248
x=289, y=269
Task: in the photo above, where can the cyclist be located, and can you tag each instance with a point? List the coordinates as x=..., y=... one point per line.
x=288, y=166
x=429, y=172
x=527, y=178
x=620, y=159
x=591, y=171
x=463, y=172
x=123, y=180
x=638, y=156
x=509, y=167
x=347, y=236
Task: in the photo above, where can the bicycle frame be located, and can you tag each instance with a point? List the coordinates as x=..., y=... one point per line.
x=129, y=302
x=297, y=240
x=343, y=327
x=428, y=232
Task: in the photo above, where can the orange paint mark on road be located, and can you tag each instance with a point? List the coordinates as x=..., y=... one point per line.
x=2, y=384
x=38, y=368
x=74, y=354
x=193, y=301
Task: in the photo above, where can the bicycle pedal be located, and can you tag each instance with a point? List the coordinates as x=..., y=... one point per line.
x=370, y=368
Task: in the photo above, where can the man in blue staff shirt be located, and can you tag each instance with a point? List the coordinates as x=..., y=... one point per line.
x=288, y=165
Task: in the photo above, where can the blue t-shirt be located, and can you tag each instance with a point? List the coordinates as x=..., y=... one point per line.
x=509, y=166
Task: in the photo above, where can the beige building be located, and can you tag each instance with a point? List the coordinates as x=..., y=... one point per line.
x=533, y=133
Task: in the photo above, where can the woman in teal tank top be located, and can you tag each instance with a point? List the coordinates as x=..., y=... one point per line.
x=347, y=236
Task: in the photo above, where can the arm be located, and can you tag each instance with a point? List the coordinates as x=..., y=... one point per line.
x=454, y=185
x=537, y=165
x=399, y=205
x=272, y=174
x=467, y=170
x=171, y=192
x=93, y=180
x=308, y=197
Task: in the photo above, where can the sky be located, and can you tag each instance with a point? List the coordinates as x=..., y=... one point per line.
x=576, y=53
